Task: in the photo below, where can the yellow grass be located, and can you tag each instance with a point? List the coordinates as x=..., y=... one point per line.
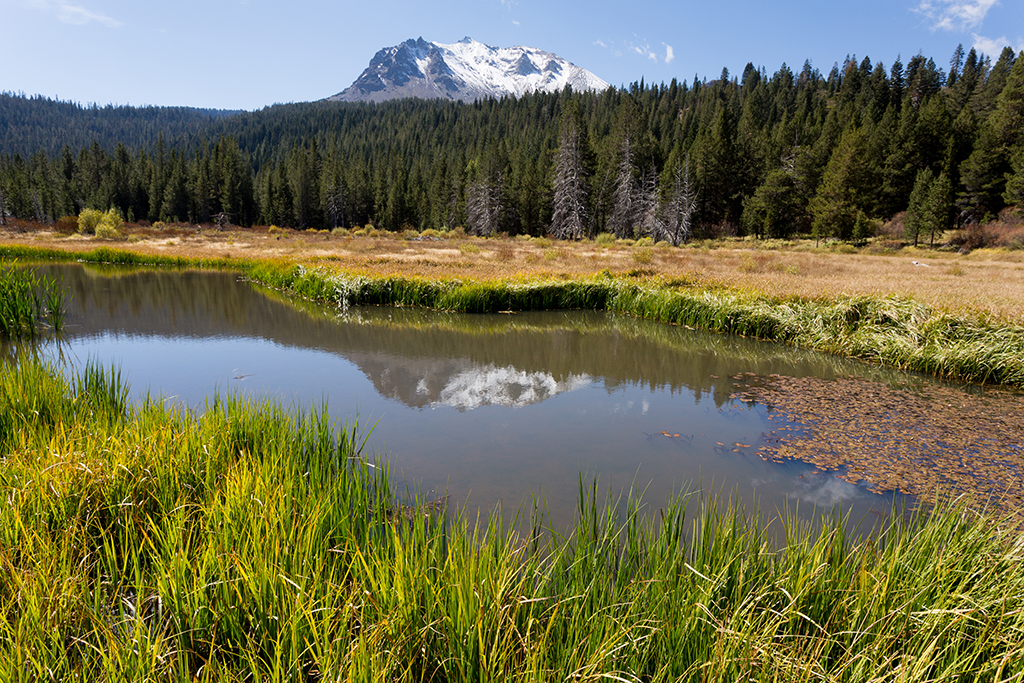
x=987, y=281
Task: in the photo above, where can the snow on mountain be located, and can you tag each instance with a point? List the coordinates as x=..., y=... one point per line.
x=466, y=70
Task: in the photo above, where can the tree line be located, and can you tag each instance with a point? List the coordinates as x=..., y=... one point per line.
x=767, y=155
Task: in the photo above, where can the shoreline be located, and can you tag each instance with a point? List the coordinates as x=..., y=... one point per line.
x=889, y=329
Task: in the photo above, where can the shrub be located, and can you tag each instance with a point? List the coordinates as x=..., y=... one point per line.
x=644, y=242
x=341, y=232
x=159, y=225
x=605, y=239
x=643, y=254
x=1007, y=232
x=88, y=219
x=95, y=222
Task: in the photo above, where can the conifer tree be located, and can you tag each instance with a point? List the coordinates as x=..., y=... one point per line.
x=841, y=194
x=775, y=209
x=938, y=207
x=717, y=171
x=984, y=173
x=916, y=218
x=1014, y=193
x=626, y=209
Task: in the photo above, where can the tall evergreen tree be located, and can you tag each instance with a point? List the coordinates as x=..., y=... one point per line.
x=841, y=195
x=984, y=173
x=916, y=218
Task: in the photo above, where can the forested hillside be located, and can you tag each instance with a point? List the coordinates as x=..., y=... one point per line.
x=39, y=124
x=763, y=154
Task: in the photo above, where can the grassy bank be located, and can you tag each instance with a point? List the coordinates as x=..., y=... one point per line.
x=140, y=541
x=893, y=331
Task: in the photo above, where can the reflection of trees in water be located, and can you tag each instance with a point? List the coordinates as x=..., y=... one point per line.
x=619, y=350
x=160, y=301
x=415, y=355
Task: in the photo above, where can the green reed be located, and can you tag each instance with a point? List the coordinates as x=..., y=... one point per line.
x=144, y=541
x=28, y=305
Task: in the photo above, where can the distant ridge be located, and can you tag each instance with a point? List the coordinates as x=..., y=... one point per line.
x=466, y=71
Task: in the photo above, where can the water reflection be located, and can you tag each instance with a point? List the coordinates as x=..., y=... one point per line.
x=483, y=408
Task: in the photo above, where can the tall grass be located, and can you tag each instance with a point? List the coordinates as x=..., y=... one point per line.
x=28, y=304
x=141, y=541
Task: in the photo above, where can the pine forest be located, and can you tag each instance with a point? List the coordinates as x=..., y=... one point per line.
x=768, y=155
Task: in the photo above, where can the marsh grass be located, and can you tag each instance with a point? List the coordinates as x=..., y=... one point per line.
x=246, y=542
x=28, y=305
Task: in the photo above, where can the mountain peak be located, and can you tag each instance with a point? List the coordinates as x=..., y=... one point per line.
x=466, y=70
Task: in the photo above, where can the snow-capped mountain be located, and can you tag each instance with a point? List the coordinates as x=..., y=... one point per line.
x=466, y=70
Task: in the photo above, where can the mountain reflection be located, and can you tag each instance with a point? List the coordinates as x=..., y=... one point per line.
x=505, y=386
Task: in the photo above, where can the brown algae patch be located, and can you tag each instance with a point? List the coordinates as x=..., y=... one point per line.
x=923, y=440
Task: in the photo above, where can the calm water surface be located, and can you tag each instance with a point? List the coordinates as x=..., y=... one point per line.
x=484, y=408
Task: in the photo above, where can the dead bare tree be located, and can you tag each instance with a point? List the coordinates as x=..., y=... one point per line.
x=677, y=213
x=649, y=222
x=569, y=220
x=626, y=209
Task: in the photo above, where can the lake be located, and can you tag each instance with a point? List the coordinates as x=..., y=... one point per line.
x=485, y=409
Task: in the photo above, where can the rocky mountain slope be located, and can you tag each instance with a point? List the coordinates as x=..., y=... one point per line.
x=466, y=70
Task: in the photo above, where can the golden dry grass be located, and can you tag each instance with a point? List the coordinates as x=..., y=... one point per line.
x=986, y=281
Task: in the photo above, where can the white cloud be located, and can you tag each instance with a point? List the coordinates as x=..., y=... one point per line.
x=643, y=50
x=75, y=14
x=994, y=46
x=638, y=47
x=955, y=15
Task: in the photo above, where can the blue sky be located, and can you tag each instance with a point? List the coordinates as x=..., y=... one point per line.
x=246, y=54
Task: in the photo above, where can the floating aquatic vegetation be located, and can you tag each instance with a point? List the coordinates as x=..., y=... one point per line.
x=925, y=441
